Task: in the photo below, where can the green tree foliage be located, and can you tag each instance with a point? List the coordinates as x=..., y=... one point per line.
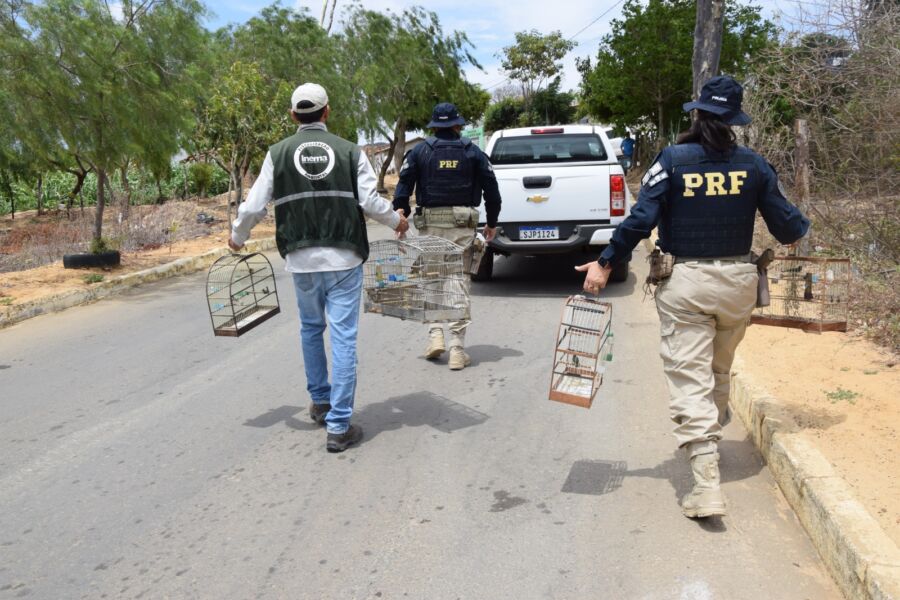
x=244, y=114
x=548, y=107
x=290, y=47
x=642, y=72
x=400, y=66
x=103, y=87
x=534, y=59
x=503, y=114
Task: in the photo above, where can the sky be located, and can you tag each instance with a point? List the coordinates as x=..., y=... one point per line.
x=491, y=24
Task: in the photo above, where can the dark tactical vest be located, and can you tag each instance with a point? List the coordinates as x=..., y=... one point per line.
x=449, y=178
x=315, y=193
x=711, y=203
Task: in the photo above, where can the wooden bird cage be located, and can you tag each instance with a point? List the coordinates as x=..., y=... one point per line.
x=807, y=293
x=241, y=293
x=419, y=278
x=584, y=344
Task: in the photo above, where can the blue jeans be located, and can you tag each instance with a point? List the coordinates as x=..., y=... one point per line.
x=332, y=298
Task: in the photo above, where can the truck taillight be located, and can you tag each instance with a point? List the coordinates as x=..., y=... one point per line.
x=617, y=195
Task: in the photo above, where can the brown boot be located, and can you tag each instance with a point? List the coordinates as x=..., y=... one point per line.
x=706, y=499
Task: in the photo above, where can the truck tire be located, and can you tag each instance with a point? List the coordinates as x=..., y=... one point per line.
x=485, y=267
x=88, y=260
x=619, y=272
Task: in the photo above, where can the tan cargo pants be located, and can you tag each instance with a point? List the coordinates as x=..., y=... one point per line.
x=457, y=224
x=704, y=309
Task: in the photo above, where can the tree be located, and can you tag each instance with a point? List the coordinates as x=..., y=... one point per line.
x=399, y=67
x=642, y=72
x=534, y=59
x=244, y=114
x=548, y=107
x=290, y=46
x=97, y=82
x=707, y=42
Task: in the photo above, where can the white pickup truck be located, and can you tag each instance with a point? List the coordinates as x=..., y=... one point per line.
x=562, y=189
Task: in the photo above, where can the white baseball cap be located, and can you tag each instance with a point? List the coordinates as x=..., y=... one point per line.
x=308, y=98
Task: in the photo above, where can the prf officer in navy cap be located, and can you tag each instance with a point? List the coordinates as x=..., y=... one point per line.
x=449, y=174
x=704, y=192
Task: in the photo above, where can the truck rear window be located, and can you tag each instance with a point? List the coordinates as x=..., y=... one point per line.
x=544, y=148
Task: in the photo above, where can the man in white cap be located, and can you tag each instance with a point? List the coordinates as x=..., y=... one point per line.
x=321, y=187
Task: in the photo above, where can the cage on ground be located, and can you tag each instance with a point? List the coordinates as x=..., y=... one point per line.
x=419, y=278
x=584, y=344
x=809, y=293
x=241, y=293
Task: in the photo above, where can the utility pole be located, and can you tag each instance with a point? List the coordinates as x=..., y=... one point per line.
x=707, y=42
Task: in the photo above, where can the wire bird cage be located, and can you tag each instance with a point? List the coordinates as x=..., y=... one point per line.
x=419, y=278
x=807, y=293
x=240, y=291
x=584, y=345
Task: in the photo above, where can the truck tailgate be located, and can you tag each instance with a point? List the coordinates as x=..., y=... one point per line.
x=545, y=193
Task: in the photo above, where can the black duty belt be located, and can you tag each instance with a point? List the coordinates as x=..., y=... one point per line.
x=742, y=258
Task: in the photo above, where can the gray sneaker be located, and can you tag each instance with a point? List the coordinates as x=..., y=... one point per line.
x=338, y=442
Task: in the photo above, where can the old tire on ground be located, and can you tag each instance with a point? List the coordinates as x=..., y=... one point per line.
x=485, y=267
x=619, y=272
x=111, y=258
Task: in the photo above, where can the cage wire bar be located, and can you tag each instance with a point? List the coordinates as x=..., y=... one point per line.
x=583, y=347
x=809, y=293
x=420, y=278
x=241, y=293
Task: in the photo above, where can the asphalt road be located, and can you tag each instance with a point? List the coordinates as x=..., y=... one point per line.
x=141, y=457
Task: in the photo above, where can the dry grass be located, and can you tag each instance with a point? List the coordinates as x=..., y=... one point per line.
x=36, y=241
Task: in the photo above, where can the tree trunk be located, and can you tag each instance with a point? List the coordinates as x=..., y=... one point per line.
x=801, y=173
x=239, y=190
x=400, y=146
x=123, y=175
x=661, y=135
x=40, y=195
x=385, y=165
x=101, y=203
x=707, y=41
x=7, y=189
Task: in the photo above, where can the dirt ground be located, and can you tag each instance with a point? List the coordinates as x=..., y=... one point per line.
x=21, y=287
x=842, y=392
x=840, y=389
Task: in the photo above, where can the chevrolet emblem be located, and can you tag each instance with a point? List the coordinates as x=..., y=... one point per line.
x=537, y=198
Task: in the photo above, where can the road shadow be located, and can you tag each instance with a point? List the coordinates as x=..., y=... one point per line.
x=545, y=276
x=294, y=417
x=417, y=410
x=738, y=460
x=483, y=353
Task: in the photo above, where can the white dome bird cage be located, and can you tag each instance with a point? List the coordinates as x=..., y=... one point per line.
x=241, y=293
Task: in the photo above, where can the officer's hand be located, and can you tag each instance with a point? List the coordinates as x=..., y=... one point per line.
x=596, y=277
x=403, y=226
x=234, y=246
x=489, y=233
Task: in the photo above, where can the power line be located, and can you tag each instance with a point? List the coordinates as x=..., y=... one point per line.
x=570, y=38
x=606, y=12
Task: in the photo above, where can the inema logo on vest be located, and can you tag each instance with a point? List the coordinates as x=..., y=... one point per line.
x=714, y=183
x=304, y=157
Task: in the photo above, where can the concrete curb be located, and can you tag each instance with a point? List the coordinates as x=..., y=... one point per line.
x=860, y=556
x=182, y=266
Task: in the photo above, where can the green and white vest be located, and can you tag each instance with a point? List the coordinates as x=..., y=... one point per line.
x=315, y=193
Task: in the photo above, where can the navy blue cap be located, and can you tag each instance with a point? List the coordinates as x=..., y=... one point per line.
x=722, y=95
x=445, y=115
